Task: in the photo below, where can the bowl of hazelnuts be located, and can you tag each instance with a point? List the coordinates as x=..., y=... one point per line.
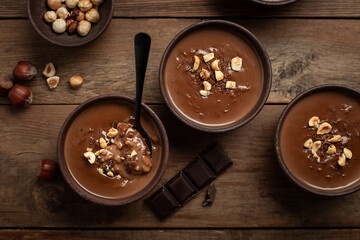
x=70, y=23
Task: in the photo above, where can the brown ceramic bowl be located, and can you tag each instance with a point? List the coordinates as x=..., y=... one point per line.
x=37, y=8
x=273, y=3
x=354, y=94
x=73, y=182
x=255, y=45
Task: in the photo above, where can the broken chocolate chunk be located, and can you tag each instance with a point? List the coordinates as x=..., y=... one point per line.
x=210, y=196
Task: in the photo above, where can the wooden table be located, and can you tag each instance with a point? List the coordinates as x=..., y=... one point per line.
x=310, y=43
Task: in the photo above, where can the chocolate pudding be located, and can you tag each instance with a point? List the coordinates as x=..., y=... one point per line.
x=106, y=156
x=213, y=76
x=319, y=140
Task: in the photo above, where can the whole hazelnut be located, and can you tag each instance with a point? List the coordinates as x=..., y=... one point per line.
x=59, y=25
x=62, y=12
x=71, y=3
x=5, y=84
x=76, y=81
x=50, y=16
x=84, y=28
x=24, y=71
x=71, y=25
x=92, y=15
x=97, y=2
x=20, y=96
x=85, y=5
x=49, y=170
x=77, y=15
x=54, y=4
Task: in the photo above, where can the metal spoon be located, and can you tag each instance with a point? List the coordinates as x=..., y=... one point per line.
x=142, y=43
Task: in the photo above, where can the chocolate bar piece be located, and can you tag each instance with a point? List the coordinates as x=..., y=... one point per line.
x=186, y=184
x=199, y=173
x=163, y=203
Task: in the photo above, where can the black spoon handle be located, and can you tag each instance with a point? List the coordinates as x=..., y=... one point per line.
x=142, y=43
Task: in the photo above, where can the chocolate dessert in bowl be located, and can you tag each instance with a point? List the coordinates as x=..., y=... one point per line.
x=318, y=140
x=103, y=158
x=215, y=76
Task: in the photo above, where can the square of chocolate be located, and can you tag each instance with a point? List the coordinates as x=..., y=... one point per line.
x=199, y=174
x=163, y=203
x=181, y=188
x=215, y=157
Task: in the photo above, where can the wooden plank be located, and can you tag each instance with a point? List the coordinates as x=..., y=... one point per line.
x=333, y=234
x=207, y=8
x=304, y=53
x=254, y=192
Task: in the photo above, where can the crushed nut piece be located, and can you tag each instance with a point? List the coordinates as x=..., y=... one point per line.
x=133, y=153
x=230, y=84
x=236, y=63
x=314, y=122
x=204, y=74
x=196, y=63
x=102, y=142
x=324, y=128
x=308, y=143
x=100, y=170
x=342, y=160
x=219, y=75
x=208, y=57
x=204, y=93
x=207, y=85
x=89, y=149
x=112, y=132
x=335, y=139
x=315, y=147
x=110, y=173
x=331, y=149
x=97, y=153
x=348, y=153
x=49, y=70
x=215, y=65
x=90, y=157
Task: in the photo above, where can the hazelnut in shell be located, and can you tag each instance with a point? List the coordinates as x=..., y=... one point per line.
x=5, y=84
x=76, y=81
x=24, y=71
x=49, y=70
x=50, y=16
x=59, y=25
x=92, y=15
x=62, y=12
x=71, y=3
x=97, y=2
x=77, y=15
x=49, y=170
x=53, y=81
x=54, y=4
x=85, y=5
x=84, y=28
x=20, y=96
x=71, y=26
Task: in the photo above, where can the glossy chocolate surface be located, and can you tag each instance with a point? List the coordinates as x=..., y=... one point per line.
x=223, y=106
x=88, y=126
x=342, y=111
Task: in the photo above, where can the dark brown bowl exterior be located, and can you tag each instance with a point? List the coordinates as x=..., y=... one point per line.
x=37, y=8
x=322, y=88
x=257, y=46
x=73, y=183
x=273, y=4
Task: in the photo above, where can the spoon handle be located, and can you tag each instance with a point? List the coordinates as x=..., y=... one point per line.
x=142, y=43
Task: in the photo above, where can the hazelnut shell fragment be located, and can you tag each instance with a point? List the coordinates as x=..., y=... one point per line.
x=49, y=170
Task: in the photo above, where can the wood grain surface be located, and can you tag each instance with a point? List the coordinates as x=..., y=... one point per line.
x=210, y=8
x=304, y=53
x=253, y=193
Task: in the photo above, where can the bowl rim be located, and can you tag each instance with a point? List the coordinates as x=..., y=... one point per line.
x=253, y=41
x=299, y=97
x=71, y=180
x=65, y=44
x=274, y=4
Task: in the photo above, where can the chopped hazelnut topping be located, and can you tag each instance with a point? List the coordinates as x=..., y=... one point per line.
x=215, y=65
x=314, y=122
x=219, y=75
x=335, y=139
x=90, y=156
x=133, y=153
x=348, y=153
x=331, y=149
x=102, y=142
x=196, y=63
x=236, y=63
x=110, y=173
x=315, y=147
x=112, y=132
x=89, y=149
x=342, y=160
x=207, y=85
x=204, y=74
x=100, y=170
x=324, y=128
x=308, y=143
x=204, y=93
x=208, y=57
x=230, y=84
